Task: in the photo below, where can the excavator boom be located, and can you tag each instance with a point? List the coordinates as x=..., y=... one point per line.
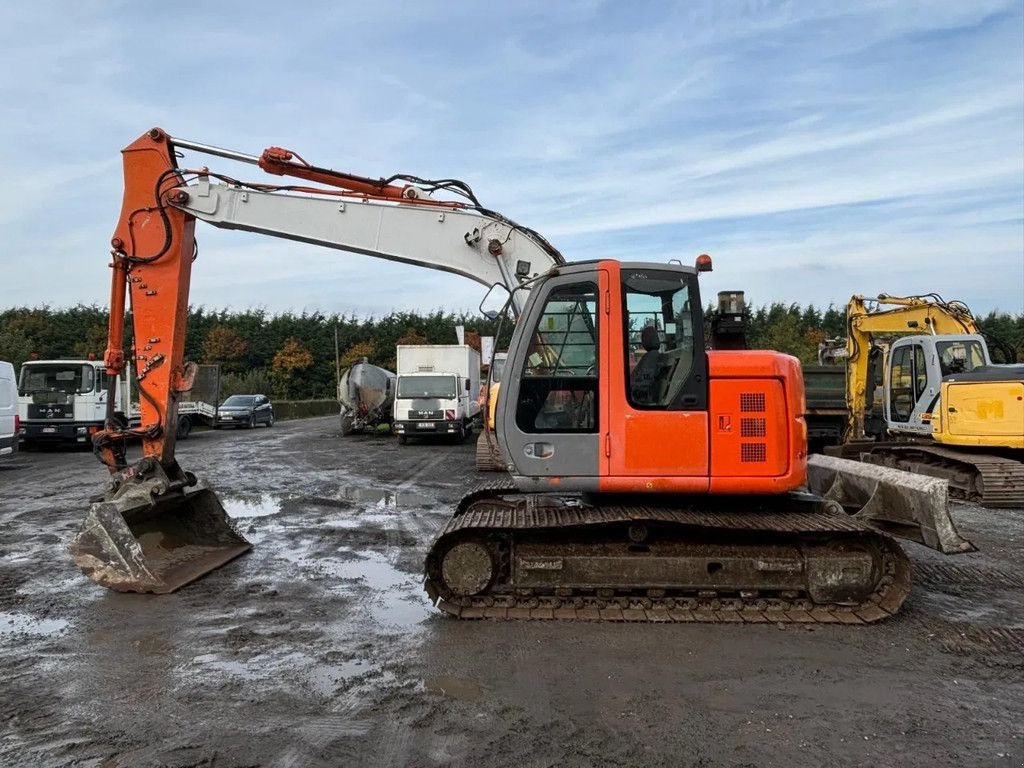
x=156, y=527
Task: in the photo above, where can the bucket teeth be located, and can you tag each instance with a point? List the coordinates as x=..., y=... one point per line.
x=904, y=504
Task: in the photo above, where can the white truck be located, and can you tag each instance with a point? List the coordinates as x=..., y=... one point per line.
x=9, y=419
x=437, y=390
x=65, y=401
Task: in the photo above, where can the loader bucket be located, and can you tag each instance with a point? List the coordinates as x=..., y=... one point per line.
x=899, y=503
x=140, y=542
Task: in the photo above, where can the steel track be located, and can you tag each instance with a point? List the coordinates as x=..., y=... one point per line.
x=494, y=510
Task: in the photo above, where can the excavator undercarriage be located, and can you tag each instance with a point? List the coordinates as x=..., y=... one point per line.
x=488, y=455
x=792, y=558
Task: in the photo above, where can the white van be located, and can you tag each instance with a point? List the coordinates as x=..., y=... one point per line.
x=9, y=425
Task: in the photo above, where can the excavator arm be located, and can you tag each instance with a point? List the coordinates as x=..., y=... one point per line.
x=153, y=250
x=154, y=247
x=888, y=316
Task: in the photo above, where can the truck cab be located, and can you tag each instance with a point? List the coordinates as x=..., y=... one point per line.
x=436, y=391
x=65, y=401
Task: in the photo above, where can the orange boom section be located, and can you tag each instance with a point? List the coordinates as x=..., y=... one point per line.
x=758, y=432
x=153, y=250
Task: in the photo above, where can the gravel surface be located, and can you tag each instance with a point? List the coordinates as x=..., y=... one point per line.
x=320, y=648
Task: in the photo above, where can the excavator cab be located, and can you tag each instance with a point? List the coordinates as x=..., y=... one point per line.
x=608, y=388
x=562, y=406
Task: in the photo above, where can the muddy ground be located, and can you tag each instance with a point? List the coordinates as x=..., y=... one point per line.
x=319, y=648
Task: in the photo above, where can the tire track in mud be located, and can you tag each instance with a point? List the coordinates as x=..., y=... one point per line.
x=992, y=637
x=421, y=469
x=995, y=647
x=952, y=574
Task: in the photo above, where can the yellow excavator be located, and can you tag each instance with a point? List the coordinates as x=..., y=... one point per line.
x=924, y=396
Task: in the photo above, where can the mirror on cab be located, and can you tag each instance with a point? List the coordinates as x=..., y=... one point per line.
x=495, y=301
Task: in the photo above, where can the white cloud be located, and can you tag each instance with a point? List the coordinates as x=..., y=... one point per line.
x=765, y=132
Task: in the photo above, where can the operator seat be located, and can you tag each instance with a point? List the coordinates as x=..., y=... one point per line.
x=644, y=377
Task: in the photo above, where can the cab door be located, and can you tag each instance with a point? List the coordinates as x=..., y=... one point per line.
x=913, y=386
x=551, y=404
x=657, y=437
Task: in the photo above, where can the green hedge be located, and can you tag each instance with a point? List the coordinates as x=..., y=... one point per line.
x=304, y=409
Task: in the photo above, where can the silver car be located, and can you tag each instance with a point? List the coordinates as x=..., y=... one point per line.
x=245, y=411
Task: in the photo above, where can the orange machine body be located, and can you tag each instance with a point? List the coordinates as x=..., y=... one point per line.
x=747, y=436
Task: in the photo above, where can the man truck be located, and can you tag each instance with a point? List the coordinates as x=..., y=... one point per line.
x=437, y=389
x=65, y=401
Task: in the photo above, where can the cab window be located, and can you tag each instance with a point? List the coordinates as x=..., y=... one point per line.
x=920, y=372
x=661, y=341
x=558, y=390
x=901, y=389
x=959, y=356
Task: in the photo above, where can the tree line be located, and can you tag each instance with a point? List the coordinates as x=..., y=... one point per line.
x=293, y=355
x=285, y=355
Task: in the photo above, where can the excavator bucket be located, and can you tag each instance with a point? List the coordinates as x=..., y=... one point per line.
x=141, y=540
x=903, y=504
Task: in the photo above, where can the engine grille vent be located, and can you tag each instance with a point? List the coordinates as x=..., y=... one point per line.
x=753, y=453
x=752, y=402
x=752, y=428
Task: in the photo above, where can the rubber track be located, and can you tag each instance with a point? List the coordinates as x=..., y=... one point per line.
x=475, y=514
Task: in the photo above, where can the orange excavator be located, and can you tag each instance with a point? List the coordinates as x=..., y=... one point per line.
x=647, y=478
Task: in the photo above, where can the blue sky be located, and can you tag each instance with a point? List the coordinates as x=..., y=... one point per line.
x=815, y=149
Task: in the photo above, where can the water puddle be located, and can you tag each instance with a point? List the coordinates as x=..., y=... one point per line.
x=399, y=600
x=230, y=667
x=374, y=569
x=23, y=624
x=318, y=677
x=252, y=506
x=392, y=597
x=266, y=504
x=454, y=687
x=325, y=679
x=384, y=498
x=362, y=520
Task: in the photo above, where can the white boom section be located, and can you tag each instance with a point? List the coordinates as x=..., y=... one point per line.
x=438, y=238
